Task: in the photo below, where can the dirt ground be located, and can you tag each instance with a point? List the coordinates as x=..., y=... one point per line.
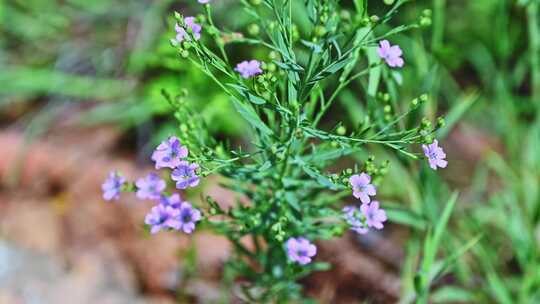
x=61, y=243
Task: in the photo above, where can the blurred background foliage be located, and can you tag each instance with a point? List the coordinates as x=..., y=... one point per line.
x=107, y=61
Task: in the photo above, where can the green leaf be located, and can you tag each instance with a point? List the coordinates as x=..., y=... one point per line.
x=251, y=116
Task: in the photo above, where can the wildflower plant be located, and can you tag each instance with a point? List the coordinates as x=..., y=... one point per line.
x=290, y=190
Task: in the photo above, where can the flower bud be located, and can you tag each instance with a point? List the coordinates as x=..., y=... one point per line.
x=440, y=122
x=425, y=21
x=320, y=31
x=341, y=130
x=253, y=29
x=345, y=15
x=426, y=124
x=255, y=2
x=388, y=2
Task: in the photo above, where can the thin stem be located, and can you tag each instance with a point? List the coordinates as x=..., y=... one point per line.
x=534, y=49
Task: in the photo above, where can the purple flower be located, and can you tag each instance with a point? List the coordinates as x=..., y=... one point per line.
x=169, y=153
x=185, y=175
x=173, y=200
x=300, y=250
x=249, y=68
x=435, y=155
x=204, y=1
x=181, y=33
x=374, y=216
x=353, y=216
x=150, y=187
x=390, y=54
x=112, y=186
x=162, y=217
x=362, y=187
x=186, y=218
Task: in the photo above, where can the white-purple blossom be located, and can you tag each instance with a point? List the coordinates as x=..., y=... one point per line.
x=435, y=155
x=169, y=153
x=300, y=250
x=150, y=187
x=182, y=34
x=249, y=69
x=185, y=176
x=374, y=215
x=354, y=217
x=362, y=187
x=204, y=1
x=162, y=217
x=112, y=186
x=186, y=218
x=390, y=53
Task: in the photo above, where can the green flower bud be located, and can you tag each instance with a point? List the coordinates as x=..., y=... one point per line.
x=387, y=109
x=341, y=130
x=253, y=29
x=388, y=2
x=425, y=21
x=255, y=2
x=426, y=124
x=441, y=122
x=271, y=68
x=320, y=31
x=374, y=18
x=184, y=54
x=345, y=15
x=428, y=139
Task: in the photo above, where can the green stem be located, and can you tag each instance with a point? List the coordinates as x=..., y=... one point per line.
x=534, y=50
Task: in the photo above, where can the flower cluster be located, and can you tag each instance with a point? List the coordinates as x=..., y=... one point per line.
x=171, y=212
x=368, y=215
x=183, y=32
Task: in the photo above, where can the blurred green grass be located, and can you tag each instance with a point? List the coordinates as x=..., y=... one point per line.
x=479, y=62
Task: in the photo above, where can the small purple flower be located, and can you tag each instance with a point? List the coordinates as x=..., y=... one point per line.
x=204, y=1
x=353, y=216
x=362, y=187
x=169, y=153
x=181, y=33
x=150, y=187
x=162, y=217
x=186, y=218
x=185, y=175
x=173, y=200
x=390, y=54
x=374, y=216
x=249, y=68
x=300, y=250
x=435, y=155
x=112, y=186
